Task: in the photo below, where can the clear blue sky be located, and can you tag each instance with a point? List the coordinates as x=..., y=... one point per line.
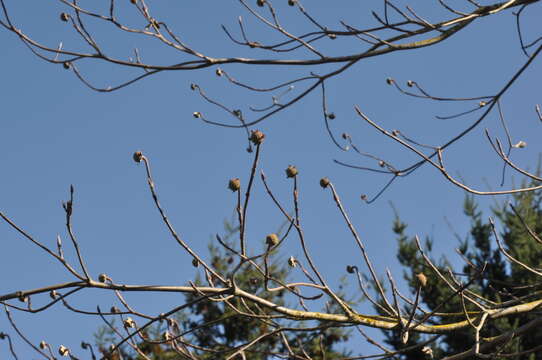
x=55, y=132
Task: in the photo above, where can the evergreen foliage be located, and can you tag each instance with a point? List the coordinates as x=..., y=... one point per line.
x=225, y=328
x=491, y=275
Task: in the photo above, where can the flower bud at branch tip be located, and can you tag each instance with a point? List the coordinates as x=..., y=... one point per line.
x=422, y=279
x=291, y=171
x=234, y=184
x=257, y=137
x=520, y=145
x=63, y=351
x=272, y=240
x=292, y=261
x=129, y=323
x=138, y=155
x=324, y=182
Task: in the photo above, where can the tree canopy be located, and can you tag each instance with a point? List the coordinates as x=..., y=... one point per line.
x=257, y=292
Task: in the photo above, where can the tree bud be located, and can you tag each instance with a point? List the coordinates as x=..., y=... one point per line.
x=292, y=261
x=234, y=184
x=63, y=351
x=324, y=182
x=129, y=323
x=138, y=155
x=291, y=171
x=520, y=145
x=422, y=279
x=272, y=240
x=256, y=136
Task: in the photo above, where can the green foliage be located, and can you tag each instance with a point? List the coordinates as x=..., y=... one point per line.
x=216, y=326
x=488, y=273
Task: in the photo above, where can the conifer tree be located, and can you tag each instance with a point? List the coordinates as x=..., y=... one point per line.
x=485, y=269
